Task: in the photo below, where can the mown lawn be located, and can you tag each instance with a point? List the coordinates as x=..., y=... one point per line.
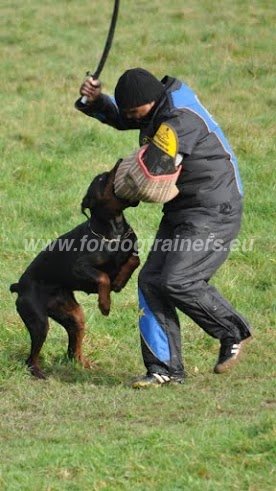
x=87, y=430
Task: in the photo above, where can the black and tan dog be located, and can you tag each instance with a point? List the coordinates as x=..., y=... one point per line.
x=100, y=256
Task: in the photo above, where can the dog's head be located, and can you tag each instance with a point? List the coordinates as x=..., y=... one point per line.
x=101, y=199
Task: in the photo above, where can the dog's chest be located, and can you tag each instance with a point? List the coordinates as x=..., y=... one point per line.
x=116, y=252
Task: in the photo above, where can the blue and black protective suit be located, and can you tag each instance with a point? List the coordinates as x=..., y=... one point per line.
x=196, y=230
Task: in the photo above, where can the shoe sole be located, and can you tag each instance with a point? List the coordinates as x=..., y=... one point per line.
x=224, y=367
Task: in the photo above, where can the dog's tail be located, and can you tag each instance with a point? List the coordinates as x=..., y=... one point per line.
x=14, y=288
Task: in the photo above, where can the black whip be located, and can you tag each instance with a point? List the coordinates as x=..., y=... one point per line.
x=107, y=47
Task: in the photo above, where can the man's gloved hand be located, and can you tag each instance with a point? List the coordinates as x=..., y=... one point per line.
x=91, y=88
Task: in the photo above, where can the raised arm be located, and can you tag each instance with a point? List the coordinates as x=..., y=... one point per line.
x=98, y=105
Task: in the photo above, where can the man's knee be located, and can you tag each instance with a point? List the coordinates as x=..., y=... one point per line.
x=172, y=287
x=147, y=278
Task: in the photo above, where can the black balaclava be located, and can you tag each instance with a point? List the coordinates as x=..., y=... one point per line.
x=137, y=87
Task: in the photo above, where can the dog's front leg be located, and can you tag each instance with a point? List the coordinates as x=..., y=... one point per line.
x=88, y=274
x=125, y=273
x=104, y=300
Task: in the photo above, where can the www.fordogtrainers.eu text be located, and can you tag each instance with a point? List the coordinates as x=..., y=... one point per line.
x=177, y=244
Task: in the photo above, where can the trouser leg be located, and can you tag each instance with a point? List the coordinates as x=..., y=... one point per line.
x=160, y=333
x=158, y=320
x=179, y=279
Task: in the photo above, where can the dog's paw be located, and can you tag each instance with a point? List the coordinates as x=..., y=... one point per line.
x=35, y=370
x=37, y=373
x=86, y=363
x=116, y=287
x=105, y=309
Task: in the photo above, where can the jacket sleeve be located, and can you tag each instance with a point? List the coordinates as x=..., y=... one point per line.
x=104, y=109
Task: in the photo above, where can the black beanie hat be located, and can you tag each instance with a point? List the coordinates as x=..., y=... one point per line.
x=137, y=87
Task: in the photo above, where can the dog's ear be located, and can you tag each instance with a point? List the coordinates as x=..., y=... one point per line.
x=94, y=193
x=85, y=205
x=89, y=200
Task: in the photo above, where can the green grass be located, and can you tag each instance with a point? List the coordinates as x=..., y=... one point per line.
x=87, y=430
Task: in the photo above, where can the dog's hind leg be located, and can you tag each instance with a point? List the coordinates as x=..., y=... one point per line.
x=65, y=310
x=33, y=314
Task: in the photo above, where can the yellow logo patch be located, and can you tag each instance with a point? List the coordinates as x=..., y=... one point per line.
x=166, y=139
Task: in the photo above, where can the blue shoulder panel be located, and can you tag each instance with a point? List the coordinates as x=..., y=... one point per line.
x=152, y=333
x=185, y=98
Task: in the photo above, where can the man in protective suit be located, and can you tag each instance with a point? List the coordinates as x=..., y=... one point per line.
x=198, y=225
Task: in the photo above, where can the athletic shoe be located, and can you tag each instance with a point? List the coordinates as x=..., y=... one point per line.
x=155, y=380
x=229, y=354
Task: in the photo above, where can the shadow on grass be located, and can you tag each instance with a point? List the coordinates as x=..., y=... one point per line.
x=62, y=369
x=71, y=372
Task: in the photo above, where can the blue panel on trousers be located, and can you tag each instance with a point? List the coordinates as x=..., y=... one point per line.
x=152, y=333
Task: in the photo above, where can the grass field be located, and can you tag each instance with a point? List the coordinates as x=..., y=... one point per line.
x=87, y=430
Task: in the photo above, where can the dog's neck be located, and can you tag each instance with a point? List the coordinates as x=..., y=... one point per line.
x=111, y=228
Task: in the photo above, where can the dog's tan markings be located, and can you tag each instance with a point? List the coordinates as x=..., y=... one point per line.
x=104, y=300
x=69, y=314
x=125, y=273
